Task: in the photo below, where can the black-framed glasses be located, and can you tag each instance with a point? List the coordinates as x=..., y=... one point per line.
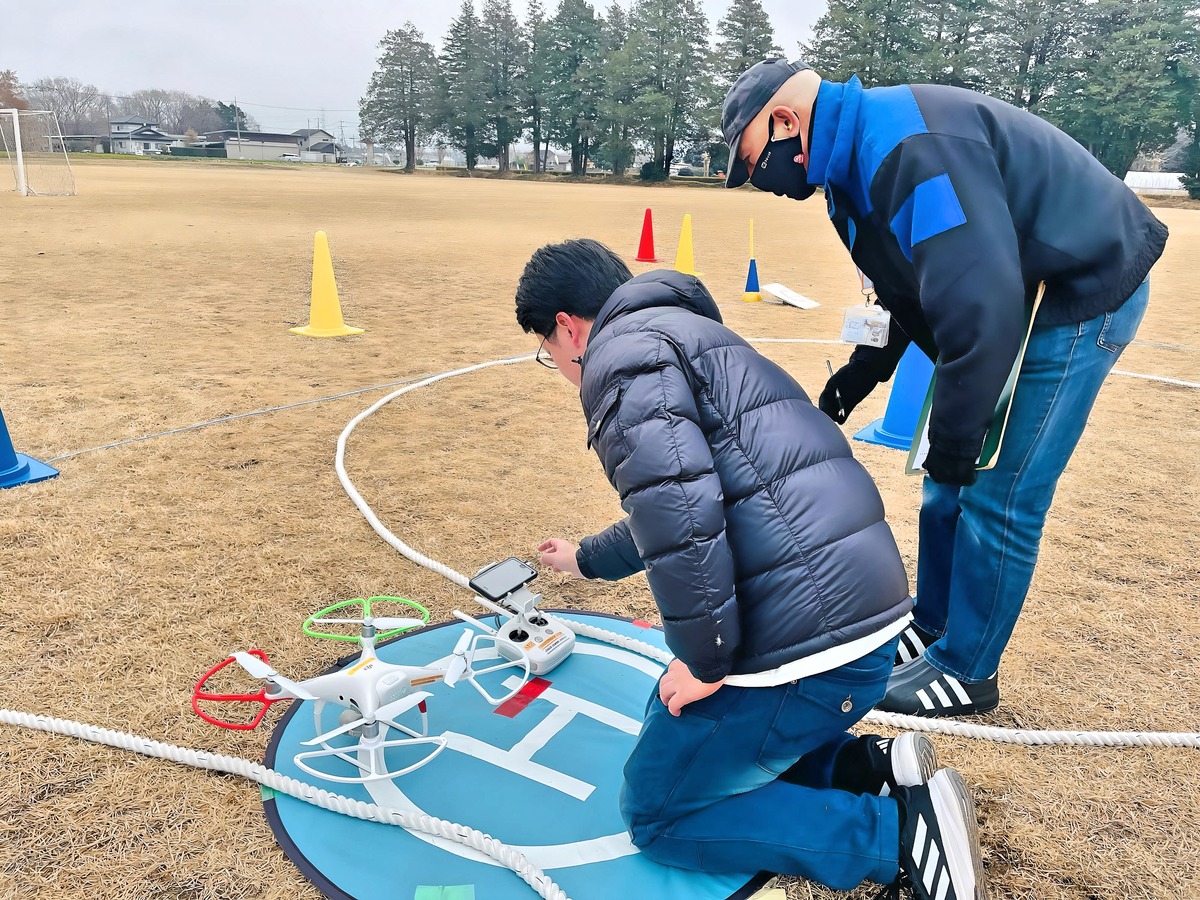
x=542, y=356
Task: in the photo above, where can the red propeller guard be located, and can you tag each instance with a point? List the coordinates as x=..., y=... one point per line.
x=198, y=694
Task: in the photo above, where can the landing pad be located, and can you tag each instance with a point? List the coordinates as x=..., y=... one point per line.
x=542, y=772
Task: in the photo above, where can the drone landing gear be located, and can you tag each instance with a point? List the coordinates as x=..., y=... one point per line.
x=461, y=665
x=369, y=754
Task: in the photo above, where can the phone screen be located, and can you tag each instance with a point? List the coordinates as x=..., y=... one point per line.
x=503, y=578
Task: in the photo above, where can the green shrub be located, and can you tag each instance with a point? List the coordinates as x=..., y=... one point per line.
x=1191, y=167
x=652, y=172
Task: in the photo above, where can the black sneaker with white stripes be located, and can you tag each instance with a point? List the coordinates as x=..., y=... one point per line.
x=914, y=642
x=878, y=765
x=918, y=689
x=939, y=840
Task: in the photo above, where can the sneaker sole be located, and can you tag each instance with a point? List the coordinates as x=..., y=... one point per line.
x=955, y=812
x=923, y=713
x=914, y=759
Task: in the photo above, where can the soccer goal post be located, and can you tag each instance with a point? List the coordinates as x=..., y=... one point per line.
x=37, y=155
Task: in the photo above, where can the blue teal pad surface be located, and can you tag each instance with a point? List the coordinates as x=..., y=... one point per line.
x=551, y=788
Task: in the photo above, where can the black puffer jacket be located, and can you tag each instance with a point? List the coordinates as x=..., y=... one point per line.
x=762, y=537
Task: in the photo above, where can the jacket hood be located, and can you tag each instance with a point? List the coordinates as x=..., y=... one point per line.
x=662, y=287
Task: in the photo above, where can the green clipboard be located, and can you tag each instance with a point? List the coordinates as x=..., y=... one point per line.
x=995, y=433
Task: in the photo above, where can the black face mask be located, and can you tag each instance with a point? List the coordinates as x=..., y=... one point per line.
x=778, y=173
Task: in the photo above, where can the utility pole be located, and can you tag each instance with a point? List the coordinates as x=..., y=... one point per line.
x=237, y=123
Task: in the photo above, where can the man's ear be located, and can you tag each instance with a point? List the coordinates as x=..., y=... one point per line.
x=571, y=325
x=785, y=119
x=563, y=320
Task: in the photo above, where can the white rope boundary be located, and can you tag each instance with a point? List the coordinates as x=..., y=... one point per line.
x=477, y=840
x=912, y=723
x=215, y=762
x=350, y=393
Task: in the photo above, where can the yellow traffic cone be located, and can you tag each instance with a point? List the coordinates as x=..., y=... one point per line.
x=685, y=260
x=325, y=313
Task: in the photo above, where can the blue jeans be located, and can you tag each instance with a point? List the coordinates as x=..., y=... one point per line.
x=702, y=790
x=979, y=544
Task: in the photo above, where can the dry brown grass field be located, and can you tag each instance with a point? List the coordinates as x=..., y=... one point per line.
x=161, y=297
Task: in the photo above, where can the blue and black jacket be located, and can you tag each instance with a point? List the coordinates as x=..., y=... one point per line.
x=957, y=206
x=762, y=538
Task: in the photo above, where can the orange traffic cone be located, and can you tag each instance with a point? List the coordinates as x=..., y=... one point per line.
x=646, y=247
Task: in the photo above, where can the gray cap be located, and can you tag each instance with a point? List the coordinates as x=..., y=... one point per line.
x=745, y=100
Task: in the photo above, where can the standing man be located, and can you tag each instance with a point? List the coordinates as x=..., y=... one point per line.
x=958, y=206
x=780, y=586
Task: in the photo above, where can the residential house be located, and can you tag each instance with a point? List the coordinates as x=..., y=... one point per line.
x=138, y=135
x=317, y=145
x=310, y=136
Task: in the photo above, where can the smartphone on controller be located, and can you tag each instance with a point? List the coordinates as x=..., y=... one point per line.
x=500, y=579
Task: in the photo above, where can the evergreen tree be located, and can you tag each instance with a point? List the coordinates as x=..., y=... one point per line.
x=401, y=100
x=879, y=40
x=1129, y=81
x=1188, y=71
x=501, y=54
x=537, y=77
x=1026, y=59
x=234, y=118
x=618, y=114
x=576, y=80
x=461, y=118
x=673, y=59
x=951, y=48
x=745, y=36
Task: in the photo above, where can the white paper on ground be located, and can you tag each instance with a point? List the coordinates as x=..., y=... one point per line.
x=788, y=296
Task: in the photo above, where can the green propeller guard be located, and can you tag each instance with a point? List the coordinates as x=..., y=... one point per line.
x=366, y=611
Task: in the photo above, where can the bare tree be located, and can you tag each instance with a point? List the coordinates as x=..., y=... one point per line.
x=80, y=107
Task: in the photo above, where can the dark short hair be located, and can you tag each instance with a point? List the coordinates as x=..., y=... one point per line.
x=575, y=277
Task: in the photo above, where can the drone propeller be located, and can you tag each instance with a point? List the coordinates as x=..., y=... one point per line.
x=384, y=623
x=255, y=666
x=385, y=712
x=259, y=669
x=458, y=661
x=387, y=623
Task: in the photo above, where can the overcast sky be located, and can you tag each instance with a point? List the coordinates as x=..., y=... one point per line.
x=289, y=63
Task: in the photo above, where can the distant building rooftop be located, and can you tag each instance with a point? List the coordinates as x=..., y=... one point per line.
x=261, y=136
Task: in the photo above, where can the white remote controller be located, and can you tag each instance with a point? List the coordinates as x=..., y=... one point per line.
x=545, y=641
x=524, y=632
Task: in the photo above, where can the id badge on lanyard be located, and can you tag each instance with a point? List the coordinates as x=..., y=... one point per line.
x=868, y=324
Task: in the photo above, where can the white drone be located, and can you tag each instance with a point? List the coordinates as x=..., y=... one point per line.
x=374, y=694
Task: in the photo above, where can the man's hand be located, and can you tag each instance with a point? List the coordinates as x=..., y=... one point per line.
x=679, y=687
x=559, y=555
x=946, y=468
x=846, y=388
